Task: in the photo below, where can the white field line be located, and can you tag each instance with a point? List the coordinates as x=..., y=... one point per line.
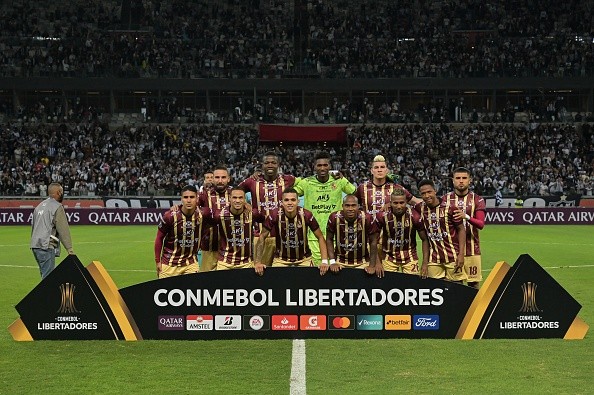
x=298, y=386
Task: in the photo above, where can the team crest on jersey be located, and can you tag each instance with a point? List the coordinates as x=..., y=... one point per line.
x=334, y=185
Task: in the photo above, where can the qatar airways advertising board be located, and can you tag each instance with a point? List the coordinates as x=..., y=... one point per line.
x=144, y=216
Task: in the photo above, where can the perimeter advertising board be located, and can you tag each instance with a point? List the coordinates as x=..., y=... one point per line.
x=144, y=216
x=75, y=302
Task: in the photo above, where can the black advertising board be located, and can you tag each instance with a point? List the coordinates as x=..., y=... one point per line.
x=75, y=302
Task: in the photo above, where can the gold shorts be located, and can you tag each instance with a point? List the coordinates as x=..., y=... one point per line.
x=473, y=268
x=446, y=270
x=357, y=265
x=229, y=266
x=209, y=261
x=172, y=271
x=407, y=268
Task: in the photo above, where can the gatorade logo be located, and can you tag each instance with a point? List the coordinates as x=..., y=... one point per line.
x=312, y=322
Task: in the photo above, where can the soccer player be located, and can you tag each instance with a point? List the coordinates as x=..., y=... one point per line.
x=214, y=198
x=469, y=208
x=352, y=237
x=178, y=236
x=208, y=181
x=236, y=238
x=322, y=196
x=49, y=227
x=266, y=190
x=374, y=194
x=444, y=255
x=399, y=236
x=290, y=224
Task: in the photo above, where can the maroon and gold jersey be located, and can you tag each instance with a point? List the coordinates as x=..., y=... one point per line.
x=291, y=233
x=440, y=226
x=351, y=239
x=236, y=237
x=214, y=200
x=372, y=198
x=470, y=203
x=182, y=235
x=399, y=235
x=267, y=195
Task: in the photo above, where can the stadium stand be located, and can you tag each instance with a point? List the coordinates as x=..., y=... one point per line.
x=149, y=137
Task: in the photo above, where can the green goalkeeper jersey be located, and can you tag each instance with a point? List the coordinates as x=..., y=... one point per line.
x=322, y=199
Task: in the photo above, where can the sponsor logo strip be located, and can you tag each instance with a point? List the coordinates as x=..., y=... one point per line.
x=370, y=322
x=171, y=323
x=312, y=322
x=199, y=323
x=256, y=322
x=227, y=322
x=398, y=322
x=426, y=322
x=341, y=322
x=285, y=323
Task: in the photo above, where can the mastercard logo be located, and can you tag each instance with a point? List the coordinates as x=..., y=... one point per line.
x=341, y=322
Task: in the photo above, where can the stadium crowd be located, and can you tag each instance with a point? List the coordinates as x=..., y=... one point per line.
x=90, y=158
x=65, y=141
x=314, y=38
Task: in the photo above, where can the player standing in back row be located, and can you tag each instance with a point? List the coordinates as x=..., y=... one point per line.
x=266, y=191
x=322, y=196
x=374, y=195
x=470, y=208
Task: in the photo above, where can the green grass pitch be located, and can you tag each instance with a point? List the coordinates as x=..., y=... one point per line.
x=263, y=367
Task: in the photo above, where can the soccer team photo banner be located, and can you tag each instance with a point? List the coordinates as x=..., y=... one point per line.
x=77, y=302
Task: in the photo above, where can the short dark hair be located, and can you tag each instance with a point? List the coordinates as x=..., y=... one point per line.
x=290, y=190
x=398, y=192
x=190, y=188
x=462, y=170
x=426, y=182
x=322, y=155
x=221, y=166
x=271, y=153
x=236, y=189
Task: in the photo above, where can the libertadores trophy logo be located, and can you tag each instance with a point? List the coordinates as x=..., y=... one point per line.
x=529, y=303
x=67, y=305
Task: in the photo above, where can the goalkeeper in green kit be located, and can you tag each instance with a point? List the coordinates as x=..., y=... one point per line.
x=322, y=195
